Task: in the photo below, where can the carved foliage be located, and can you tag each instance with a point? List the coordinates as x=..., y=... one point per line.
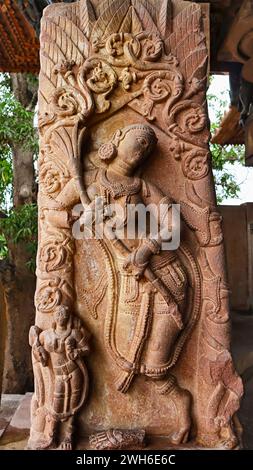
x=87, y=17
x=56, y=251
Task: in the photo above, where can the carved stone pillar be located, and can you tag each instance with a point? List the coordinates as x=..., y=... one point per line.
x=123, y=116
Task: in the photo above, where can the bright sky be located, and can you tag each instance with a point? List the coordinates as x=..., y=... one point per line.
x=243, y=175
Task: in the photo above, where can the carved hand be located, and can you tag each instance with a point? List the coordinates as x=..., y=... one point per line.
x=138, y=260
x=41, y=354
x=73, y=355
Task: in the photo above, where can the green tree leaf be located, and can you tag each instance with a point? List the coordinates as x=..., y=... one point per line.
x=223, y=157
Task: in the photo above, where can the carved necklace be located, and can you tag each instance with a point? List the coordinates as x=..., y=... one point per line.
x=64, y=335
x=118, y=189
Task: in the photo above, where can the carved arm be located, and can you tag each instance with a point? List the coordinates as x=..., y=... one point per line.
x=38, y=350
x=161, y=210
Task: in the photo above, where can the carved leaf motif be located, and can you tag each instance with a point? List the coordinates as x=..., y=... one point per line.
x=194, y=64
x=53, y=55
x=47, y=65
x=190, y=18
x=145, y=17
x=148, y=6
x=126, y=25
x=87, y=17
x=42, y=99
x=79, y=41
x=136, y=23
x=102, y=7
x=187, y=42
x=61, y=140
x=54, y=50
x=165, y=19
x=69, y=11
x=108, y=15
x=63, y=41
x=117, y=19
x=56, y=251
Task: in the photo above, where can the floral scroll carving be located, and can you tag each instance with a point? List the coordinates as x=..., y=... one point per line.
x=100, y=63
x=53, y=175
x=196, y=165
x=57, y=251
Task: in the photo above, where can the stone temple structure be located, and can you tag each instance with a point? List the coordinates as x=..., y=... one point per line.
x=131, y=339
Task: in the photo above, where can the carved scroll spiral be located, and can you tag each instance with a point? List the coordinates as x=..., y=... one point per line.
x=56, y=252
x=53, y=176
x=196, y=164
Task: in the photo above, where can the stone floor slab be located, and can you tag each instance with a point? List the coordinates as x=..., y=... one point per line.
x=9, y=404
x=17, y=432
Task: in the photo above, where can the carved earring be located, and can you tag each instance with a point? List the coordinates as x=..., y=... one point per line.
x=107, y=151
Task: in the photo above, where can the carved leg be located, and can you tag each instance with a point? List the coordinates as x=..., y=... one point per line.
x=76, y=384
x=218, y=429
x=228, y=438
x=60, y=396
x=67, y=441
x=228, y=431
x=181, y=399
x=50, y=434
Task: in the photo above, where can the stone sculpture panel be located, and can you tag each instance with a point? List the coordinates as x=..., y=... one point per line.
x=123, y=120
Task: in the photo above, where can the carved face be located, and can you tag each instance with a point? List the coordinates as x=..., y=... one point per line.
x=61, y=316
x=135, y=147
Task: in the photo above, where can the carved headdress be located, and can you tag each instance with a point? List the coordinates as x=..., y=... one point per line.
x=108, y=151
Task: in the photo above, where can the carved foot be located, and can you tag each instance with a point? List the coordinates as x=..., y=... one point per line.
x=180, y=437
x=230, y=443
x=229, y=439
x=117, y=439
x=182, y=400
x=66, y=444
x=224, y=438
x=41, y=444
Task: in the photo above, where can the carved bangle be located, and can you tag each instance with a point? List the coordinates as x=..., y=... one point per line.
x=166, y=200
x=153, y=245
x=138, y=265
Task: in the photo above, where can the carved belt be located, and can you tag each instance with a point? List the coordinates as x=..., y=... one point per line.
x=65, y=369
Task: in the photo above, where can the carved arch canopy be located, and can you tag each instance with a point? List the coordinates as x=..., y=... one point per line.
x=126, y=61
